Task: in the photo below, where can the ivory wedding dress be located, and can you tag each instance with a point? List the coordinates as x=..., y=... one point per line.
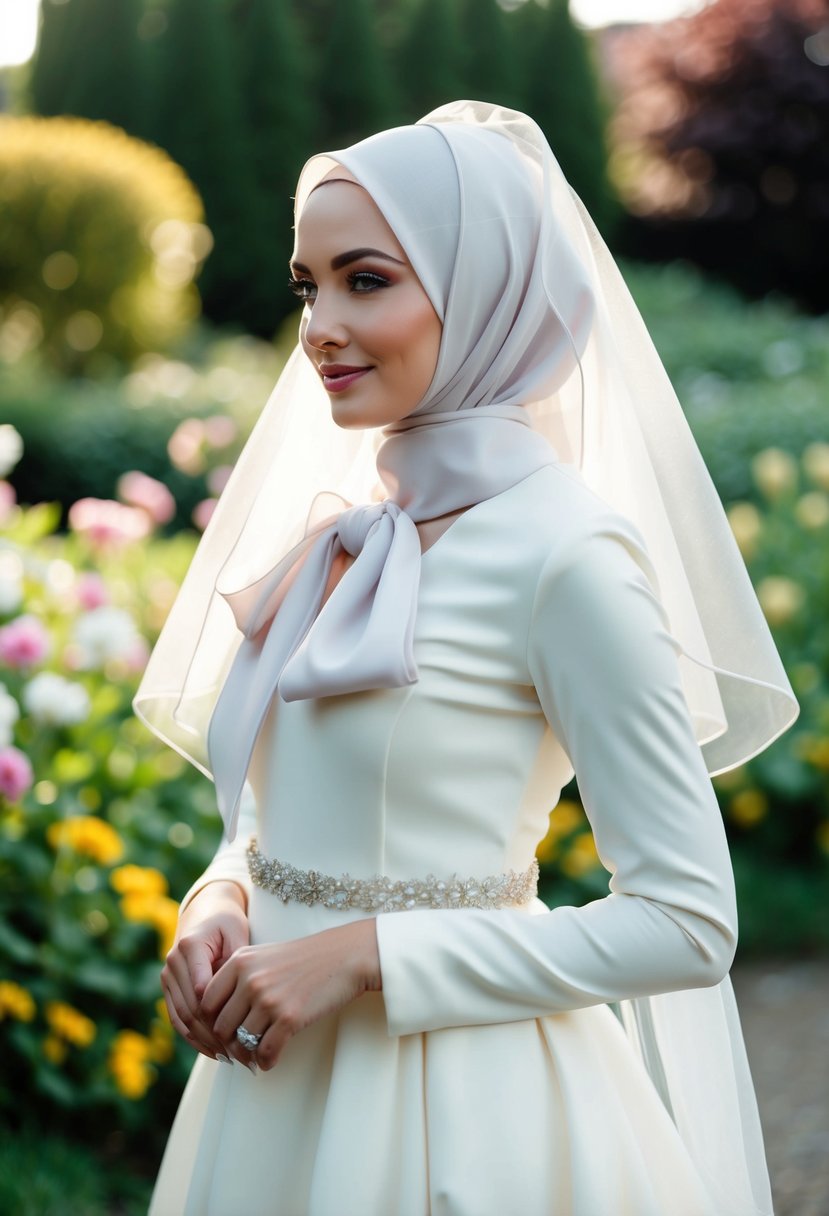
x=491, y=1077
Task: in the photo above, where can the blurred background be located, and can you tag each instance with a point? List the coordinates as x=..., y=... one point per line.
x=148, y=154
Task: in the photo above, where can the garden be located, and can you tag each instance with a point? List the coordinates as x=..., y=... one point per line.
x=126, y=395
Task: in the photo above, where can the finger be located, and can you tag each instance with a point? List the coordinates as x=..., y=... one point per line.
x=220, y=988
x=199, y=959
x=272, y=1046
x=180, y=1020
x=190, y=1026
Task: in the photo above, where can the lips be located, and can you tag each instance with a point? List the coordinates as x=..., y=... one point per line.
x=337, y=377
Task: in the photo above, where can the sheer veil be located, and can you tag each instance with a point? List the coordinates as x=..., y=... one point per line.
x=615, y=418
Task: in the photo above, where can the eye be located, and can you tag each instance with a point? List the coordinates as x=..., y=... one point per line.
x=303, y=289
x=362, y=282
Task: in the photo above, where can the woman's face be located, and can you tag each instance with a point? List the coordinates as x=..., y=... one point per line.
x=368, y=328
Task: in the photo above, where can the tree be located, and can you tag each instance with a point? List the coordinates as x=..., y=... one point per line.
x=106, y=79
x=723, y=131
x=199, y=121
x=561, y=93
x=487, y=67
x=430, y=58
x=282, y=124
x=354, y=83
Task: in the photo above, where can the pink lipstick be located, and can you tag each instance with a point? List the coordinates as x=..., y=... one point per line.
x=337, y=377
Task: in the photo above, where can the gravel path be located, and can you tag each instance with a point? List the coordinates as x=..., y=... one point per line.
x=784, y=1009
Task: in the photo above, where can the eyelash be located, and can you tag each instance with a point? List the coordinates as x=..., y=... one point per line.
x=303, y=288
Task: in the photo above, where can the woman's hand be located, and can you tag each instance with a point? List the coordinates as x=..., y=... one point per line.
x=277, y=990
x=212, y=926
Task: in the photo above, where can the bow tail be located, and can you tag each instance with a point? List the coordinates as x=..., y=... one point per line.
x=254, y=675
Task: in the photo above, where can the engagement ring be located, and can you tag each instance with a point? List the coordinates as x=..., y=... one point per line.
x=249, y=1041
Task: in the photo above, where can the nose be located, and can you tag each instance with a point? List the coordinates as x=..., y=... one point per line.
x=323, y=329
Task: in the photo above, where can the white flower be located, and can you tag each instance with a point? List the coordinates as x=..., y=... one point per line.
x=50, y=698
x=105, y=634
x=11, y=448
x=9, y=713
x=11, y=593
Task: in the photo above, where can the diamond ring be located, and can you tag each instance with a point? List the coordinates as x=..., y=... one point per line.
x=249, y=1041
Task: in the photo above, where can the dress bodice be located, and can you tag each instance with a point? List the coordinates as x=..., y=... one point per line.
x=455, y=773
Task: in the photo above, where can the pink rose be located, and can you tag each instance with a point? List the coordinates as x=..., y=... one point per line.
x=202, y=512
x=16, y=774
x=218, y=478
x=108, y=524
x=152, y=496
x=8, y=500
x=23, y=642
x=220, y=431
x=91, y=591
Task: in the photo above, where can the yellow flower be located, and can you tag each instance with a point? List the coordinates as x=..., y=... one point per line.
x=139, y=880
x=70, y=1024
x=89, y=836
x=161, y=1041
x=54, y=1049
x=731, y=778
x=564, y=819
x=748, y=807
x=16, y=1002
x=780, y=598
x=775, y=472
x=157, y=910
x=131, y=1043
x=816, y=464
x=816, y=752
x=746, y=524
x=128, y=1062
x=581, y=857
x=812, y=510
x=822, y=834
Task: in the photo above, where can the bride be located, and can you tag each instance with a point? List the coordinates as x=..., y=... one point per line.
x=391, y=695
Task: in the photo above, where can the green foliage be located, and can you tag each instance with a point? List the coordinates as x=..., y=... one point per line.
x=430, y=59
x=100, y=238
x=199, y=121
x=80, y=436
x=90, y=852
x=41, y=1175
x=105, y=76
x=54, y=65
x=749, y=377
x=561, y=94
x=488, y=70
x=354, y=85
x=281, y=120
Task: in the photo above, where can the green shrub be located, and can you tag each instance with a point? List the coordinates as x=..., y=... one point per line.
x=749, y=375
x=100, y=827
x=80, y=436
x=100, y=240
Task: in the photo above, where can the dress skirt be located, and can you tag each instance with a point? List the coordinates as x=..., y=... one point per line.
x=553, y=1116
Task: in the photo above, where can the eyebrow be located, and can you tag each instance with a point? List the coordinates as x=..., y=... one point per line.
x=353, y=255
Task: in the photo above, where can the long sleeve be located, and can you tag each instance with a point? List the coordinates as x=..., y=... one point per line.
x=229, y=862
x=606, y=673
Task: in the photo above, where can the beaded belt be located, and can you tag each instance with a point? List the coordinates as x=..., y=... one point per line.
x=383, y=894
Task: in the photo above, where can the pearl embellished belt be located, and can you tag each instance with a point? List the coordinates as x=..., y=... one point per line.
x=383, y=894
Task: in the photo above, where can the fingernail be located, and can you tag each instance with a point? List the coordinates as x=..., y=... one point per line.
x=254, y=1068
x=224, y=1059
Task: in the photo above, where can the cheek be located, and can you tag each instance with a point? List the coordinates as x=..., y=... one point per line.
x=415, y=333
